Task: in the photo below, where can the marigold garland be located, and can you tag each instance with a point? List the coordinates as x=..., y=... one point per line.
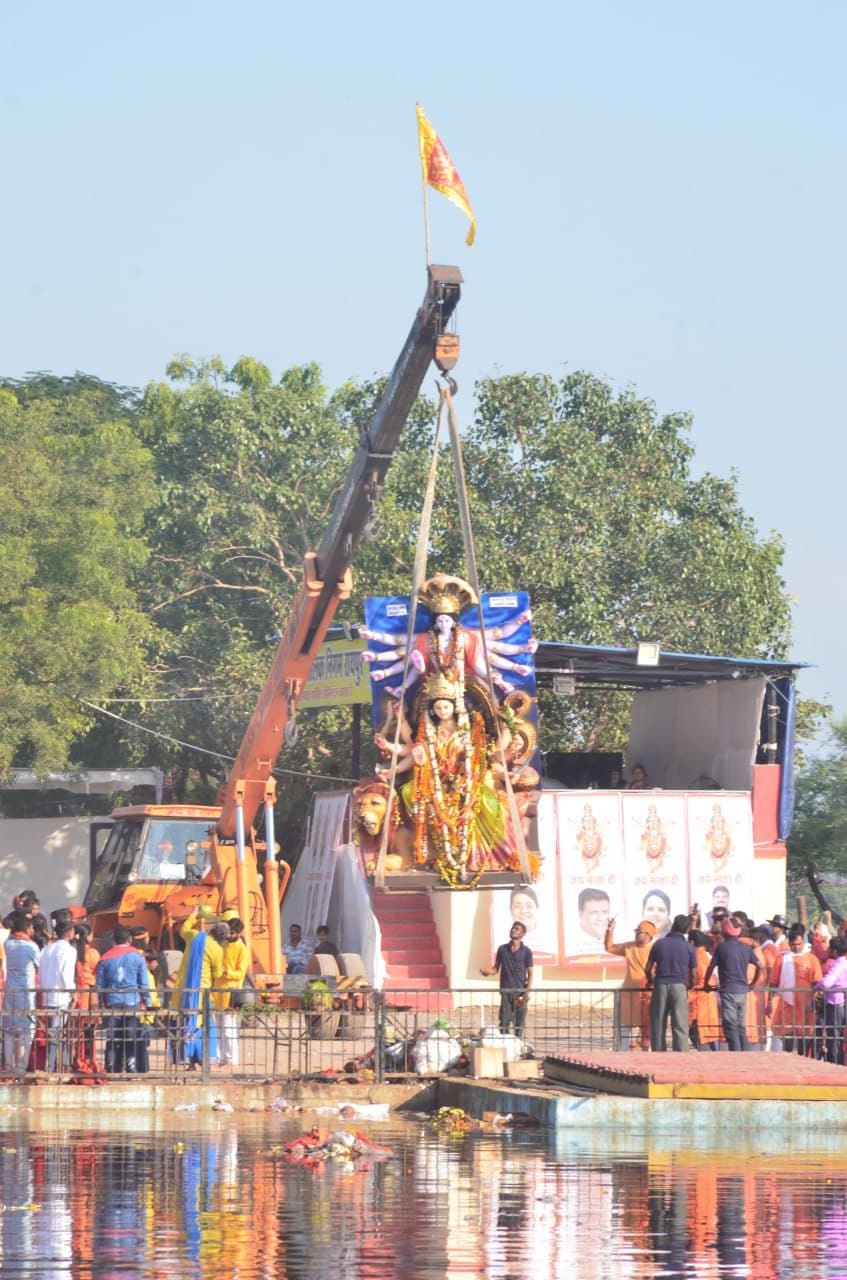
x=445, y=797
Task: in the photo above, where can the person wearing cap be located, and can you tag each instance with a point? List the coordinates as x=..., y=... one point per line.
x=715, y=932
x=671, y=970
x=635, y=1000
x=764, y=937
x=732, y=958
x=779, y=925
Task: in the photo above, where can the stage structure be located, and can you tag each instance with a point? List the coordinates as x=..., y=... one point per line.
x=715, y=736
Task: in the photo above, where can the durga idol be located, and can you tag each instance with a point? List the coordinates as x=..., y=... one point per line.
x=457, y=818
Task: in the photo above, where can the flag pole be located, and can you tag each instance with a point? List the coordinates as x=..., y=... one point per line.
x=426, y=222
x=424, y=176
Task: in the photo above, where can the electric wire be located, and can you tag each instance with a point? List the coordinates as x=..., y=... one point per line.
x=206, y=751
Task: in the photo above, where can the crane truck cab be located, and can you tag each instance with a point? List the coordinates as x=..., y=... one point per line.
x=160, y=863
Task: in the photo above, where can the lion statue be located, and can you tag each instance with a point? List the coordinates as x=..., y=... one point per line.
x=370, y=807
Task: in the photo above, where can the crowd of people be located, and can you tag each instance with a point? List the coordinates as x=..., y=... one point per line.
x=57, y=991
x=727, y=983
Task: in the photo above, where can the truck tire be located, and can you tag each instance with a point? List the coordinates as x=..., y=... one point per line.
x=323, y=1026
x=354, y=1019
x=351, y=964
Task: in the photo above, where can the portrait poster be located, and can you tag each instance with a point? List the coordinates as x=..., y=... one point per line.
x=591, y=869
x=535, y=905
x=654, y=835
x=720, y=842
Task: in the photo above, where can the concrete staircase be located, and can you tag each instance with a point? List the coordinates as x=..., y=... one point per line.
x=417, y=977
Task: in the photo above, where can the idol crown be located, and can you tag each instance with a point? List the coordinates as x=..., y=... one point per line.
x=445, y=593
x=440, y=687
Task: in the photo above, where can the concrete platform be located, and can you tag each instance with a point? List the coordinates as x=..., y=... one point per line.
x=590, y=1116
x=700, y=1075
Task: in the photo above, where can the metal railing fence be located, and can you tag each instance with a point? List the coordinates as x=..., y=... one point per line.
x=364, y=1033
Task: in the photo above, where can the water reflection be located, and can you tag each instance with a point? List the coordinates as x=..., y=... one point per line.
x=216, y=1196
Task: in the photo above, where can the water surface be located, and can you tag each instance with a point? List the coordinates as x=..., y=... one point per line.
x=207, y=1195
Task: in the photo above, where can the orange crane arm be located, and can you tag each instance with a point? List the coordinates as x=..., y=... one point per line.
x=326, y=573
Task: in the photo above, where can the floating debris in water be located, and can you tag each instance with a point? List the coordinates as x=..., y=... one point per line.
x=452, y=1121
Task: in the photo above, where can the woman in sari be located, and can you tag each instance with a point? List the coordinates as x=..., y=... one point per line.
x=198, y=973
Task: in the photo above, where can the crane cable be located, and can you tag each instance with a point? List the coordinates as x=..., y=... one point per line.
x=418, y=577
x=473, y=578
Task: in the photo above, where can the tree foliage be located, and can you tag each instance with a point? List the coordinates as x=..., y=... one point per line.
x=585, y=499
x=247, y=472
x=819, y=832
x=74, y=483
x=582, y=496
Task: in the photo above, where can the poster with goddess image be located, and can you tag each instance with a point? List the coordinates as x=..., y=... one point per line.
x=591, y=869
x=656, y=858
x=720, y=841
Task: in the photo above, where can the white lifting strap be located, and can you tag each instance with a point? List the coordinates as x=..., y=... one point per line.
x=473, y=579
x=418, y=579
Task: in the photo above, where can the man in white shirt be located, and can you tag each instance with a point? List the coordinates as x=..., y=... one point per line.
x=57, y=977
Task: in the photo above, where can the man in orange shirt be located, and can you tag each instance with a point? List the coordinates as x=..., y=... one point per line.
x=779, y=924
x=635, y=999
x=791, y=1001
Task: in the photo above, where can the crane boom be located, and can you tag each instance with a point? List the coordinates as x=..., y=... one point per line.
x=326, y=572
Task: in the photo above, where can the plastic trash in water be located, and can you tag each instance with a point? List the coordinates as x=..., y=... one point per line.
x=363, y=1110
x=186, y=1106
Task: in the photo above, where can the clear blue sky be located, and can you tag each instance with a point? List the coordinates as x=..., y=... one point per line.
x=659, y=188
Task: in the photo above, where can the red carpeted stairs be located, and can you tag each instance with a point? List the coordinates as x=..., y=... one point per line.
x=416, y=974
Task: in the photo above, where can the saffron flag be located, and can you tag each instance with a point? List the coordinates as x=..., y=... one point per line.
x=440, y=172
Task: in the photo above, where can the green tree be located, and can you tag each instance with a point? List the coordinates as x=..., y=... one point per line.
x=247, y=472
x=582, y=496
x=585, y=499
x=819, y=831
x=74, y=483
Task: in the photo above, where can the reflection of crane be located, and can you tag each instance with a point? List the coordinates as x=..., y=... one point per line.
x=217, y=850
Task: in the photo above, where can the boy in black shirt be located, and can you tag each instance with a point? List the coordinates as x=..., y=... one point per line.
x=514, y=964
